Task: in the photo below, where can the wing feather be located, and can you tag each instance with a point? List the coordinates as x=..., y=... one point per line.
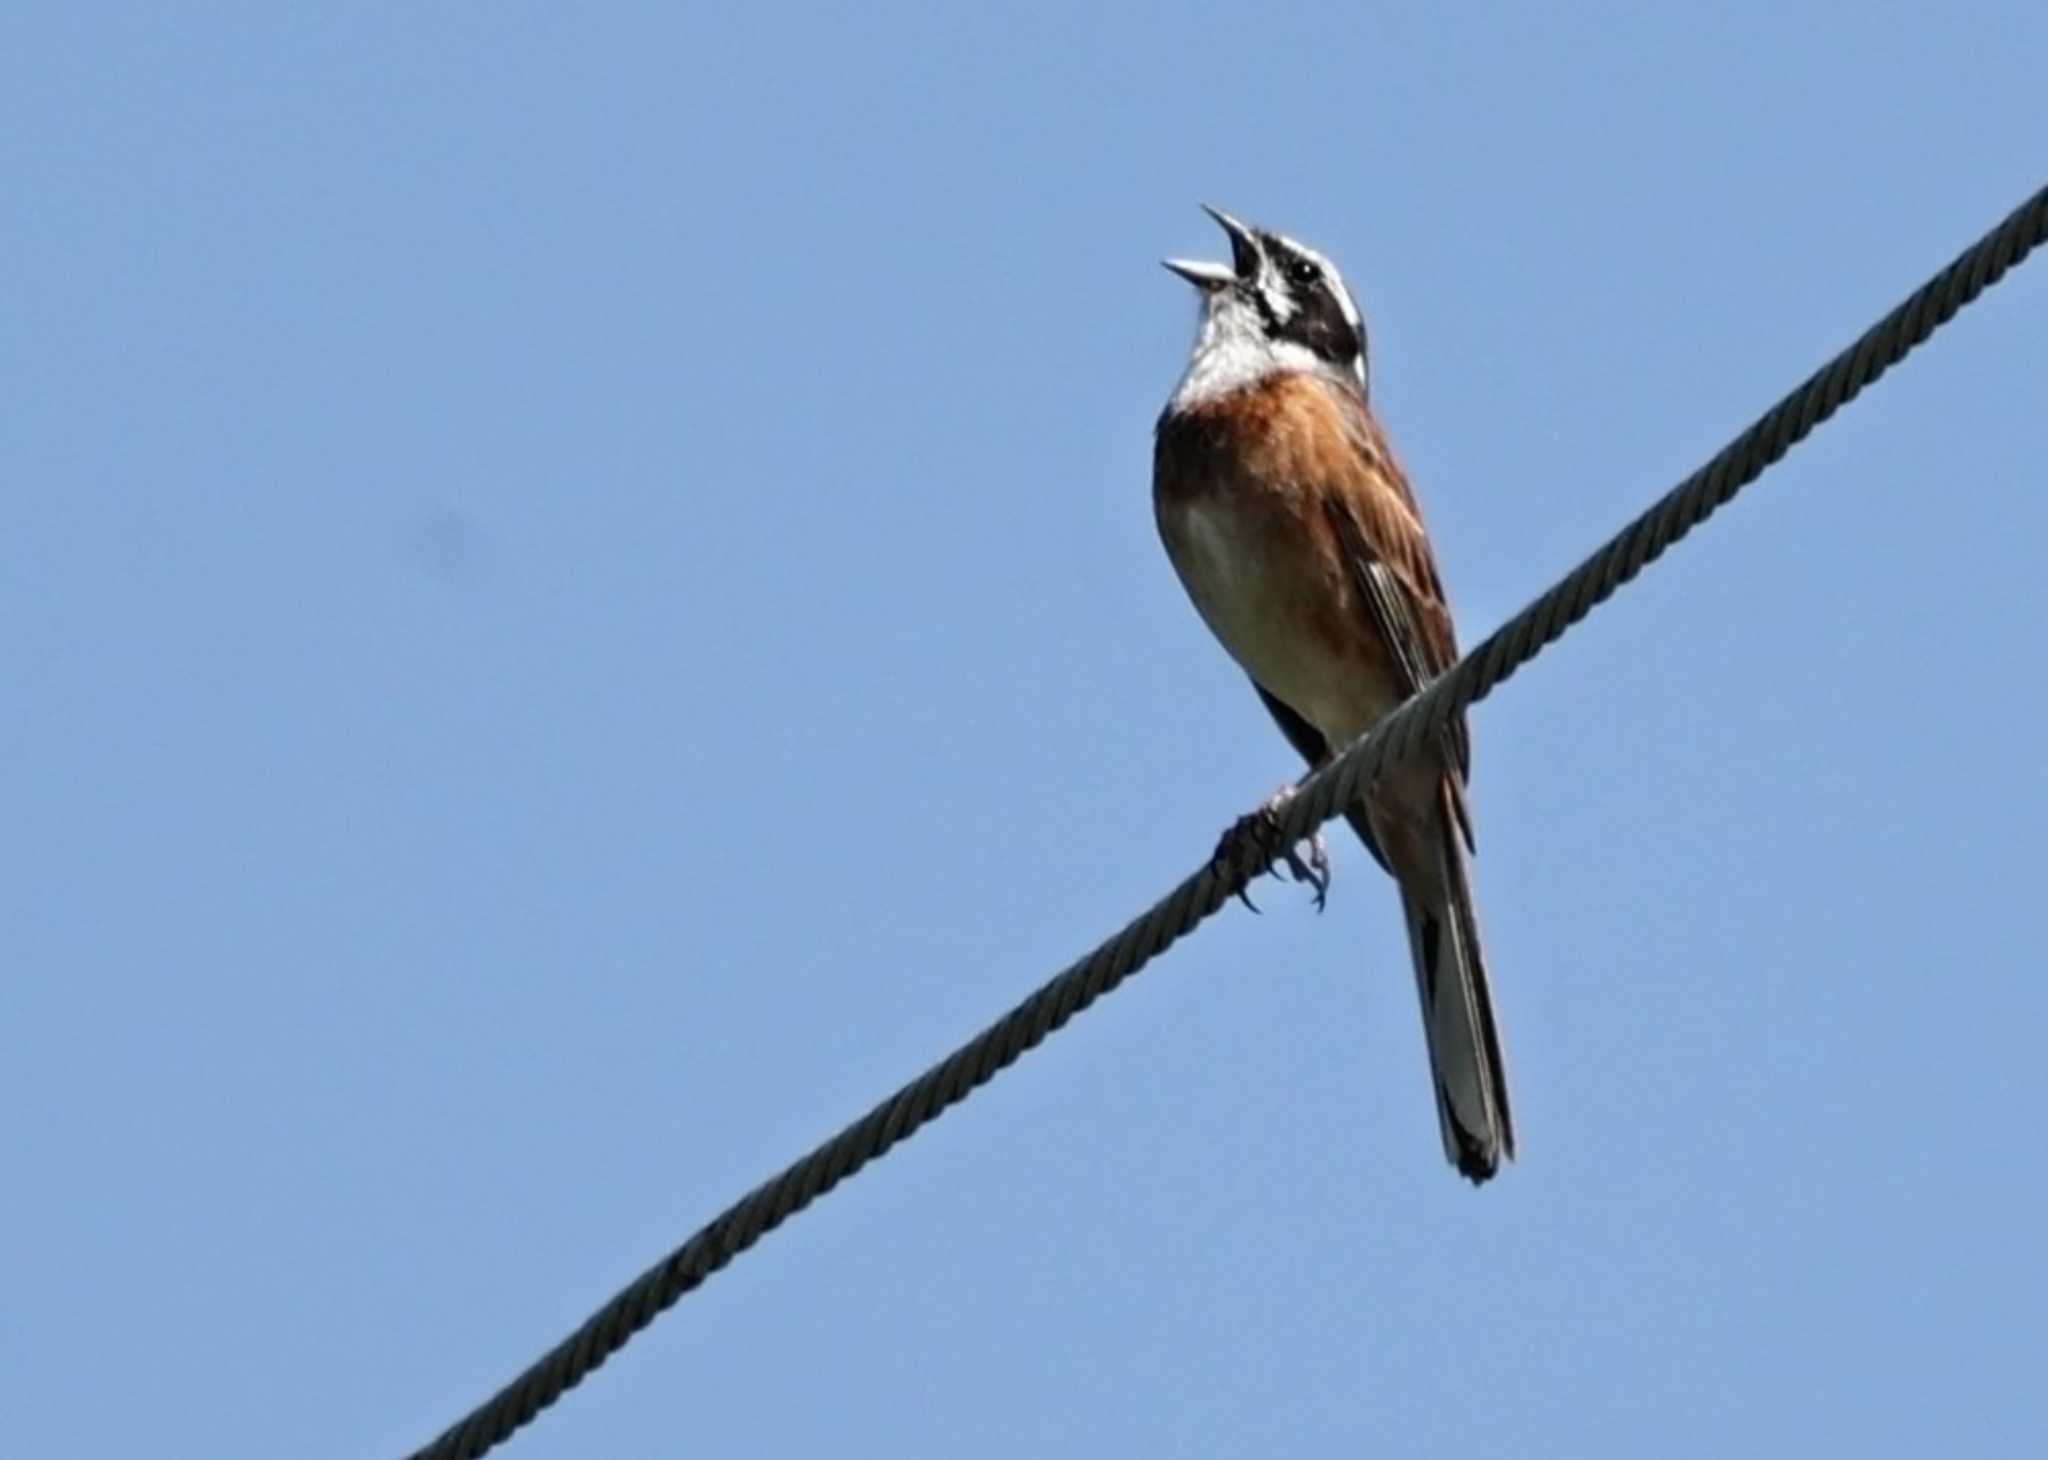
x=1388, y=555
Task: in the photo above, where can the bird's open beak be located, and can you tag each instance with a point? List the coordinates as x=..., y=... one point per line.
x=1201, y=275
x=1244, y=254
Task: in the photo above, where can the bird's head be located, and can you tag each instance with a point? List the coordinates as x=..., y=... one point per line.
x=1277, y=305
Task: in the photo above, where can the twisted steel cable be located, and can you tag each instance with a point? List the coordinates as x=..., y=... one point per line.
x=1318, y=799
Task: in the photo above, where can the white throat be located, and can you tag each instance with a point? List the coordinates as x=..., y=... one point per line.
x=1233, y=350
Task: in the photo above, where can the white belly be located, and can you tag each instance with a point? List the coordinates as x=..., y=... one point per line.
x=1259, y=592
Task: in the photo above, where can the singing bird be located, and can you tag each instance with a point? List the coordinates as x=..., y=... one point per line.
x=1301, y=543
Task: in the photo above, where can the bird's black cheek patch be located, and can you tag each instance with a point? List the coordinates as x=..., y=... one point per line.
x=1320, y=327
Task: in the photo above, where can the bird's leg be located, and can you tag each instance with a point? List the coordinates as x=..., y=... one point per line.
x=1253, y=844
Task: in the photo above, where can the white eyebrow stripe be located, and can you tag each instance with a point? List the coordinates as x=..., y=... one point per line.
x=1341, y=291
x=1336, y=280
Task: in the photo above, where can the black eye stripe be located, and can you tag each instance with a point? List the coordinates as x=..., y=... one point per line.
x=1318, y=321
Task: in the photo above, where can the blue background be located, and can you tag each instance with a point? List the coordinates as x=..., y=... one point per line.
x=578, y=600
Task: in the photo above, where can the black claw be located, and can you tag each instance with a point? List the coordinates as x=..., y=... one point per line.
x=1252, y=848
x=1313, y=869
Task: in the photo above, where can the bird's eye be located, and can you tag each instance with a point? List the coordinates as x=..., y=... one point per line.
x=1301, y=271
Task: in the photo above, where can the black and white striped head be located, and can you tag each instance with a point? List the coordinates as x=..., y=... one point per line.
x=1278, y=305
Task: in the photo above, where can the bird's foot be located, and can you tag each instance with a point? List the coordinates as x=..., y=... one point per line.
x=1253, y=844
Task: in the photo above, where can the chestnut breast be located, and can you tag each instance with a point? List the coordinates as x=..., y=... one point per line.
x=1238, y=485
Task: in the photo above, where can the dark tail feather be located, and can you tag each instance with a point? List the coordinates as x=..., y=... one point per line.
x=1457, y=1013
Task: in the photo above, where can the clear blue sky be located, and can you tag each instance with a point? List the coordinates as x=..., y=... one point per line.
x=578, y=599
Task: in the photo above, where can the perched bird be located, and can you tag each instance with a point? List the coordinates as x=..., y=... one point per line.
x=1298, y=538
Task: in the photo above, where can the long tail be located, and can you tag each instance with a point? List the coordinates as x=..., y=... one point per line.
x=1457, y=1007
